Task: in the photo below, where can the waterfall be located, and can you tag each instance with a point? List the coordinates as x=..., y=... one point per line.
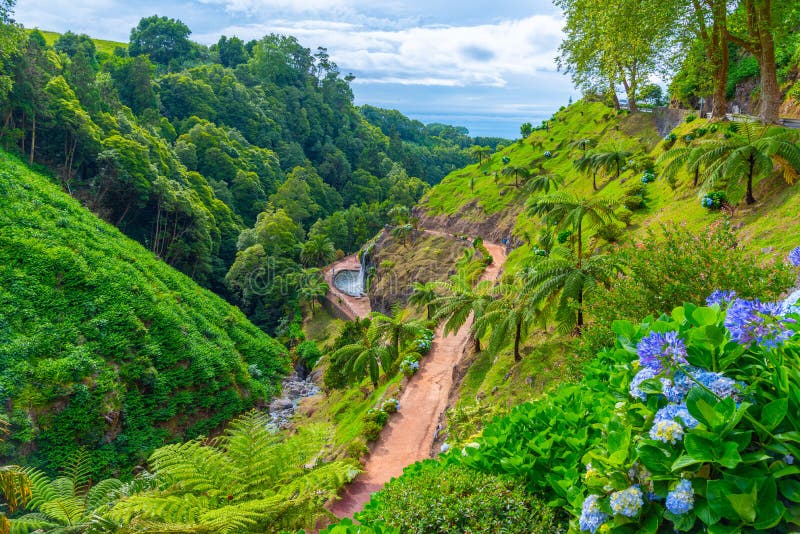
x=361, y=278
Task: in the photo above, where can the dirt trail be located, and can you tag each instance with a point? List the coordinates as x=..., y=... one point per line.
x=409, y=434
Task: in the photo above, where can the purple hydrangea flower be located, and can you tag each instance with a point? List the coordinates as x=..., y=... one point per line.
x=681, y=499
x=794, y=257
x=645, y=374
x=754, y=321
x=591, y=515
x=661, y=350
x=677, y=413
x=722, y=297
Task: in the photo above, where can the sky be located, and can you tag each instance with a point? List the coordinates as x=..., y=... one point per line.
x=484, y=64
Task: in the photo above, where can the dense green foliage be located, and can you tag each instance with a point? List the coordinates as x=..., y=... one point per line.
x=432, y=498
x=182, y=146
x=104, y=346
x=673, y=266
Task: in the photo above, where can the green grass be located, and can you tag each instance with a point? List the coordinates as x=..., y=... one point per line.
x=323, y=327
x=102, y=46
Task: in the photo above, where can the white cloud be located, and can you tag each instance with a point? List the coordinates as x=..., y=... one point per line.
x=484, y=55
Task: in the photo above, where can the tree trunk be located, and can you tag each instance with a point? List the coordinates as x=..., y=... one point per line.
x=477, y=344
x=770, y=90
x=580, y=311
x=33, y=139
x=594, y=180
x=718, y=56
x=696, y=176
x=614, y=97
x=630, y=90
x=517, y=336
x=750, y=198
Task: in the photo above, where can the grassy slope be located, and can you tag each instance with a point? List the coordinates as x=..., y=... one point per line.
x=492, y=381
x=105, y=47
x=104, y=346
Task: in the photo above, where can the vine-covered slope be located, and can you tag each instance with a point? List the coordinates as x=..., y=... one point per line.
x=102, y=345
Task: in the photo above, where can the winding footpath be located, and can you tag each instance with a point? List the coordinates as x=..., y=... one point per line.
x=410, y=433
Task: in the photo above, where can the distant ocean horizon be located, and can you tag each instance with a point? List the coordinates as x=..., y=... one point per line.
x=481, y=125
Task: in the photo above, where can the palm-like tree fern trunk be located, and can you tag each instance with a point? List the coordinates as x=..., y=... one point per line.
x=517, y=337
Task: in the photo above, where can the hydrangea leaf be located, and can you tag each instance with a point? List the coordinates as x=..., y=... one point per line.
x=773, y=413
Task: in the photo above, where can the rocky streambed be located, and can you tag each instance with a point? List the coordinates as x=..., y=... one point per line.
x=296, y=387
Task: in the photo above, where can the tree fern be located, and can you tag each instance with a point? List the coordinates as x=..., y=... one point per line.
x=255, y=481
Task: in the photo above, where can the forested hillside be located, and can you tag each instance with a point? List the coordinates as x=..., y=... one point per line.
x=182, y=146
x=106, y=347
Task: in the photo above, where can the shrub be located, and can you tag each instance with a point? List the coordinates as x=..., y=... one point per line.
x=346, y=526
x=547, y=153
x=624, y=215
x=409, y=366
x=714, y=200
x=690, y=118
x=309, y=353
x=432, y=498
x=700, y=132
x=670, y=139
x=611, y=232
x=673, y=266
x=648, y=177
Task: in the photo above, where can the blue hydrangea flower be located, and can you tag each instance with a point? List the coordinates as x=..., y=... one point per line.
x=794, y=257
x=667, y=431
x=645, y=374
x=677, y=413
x=754, y=321
x=676, y=387
x=791, y=304
x=722, y=386
x=627, y=502
x=591, y=516
x=681, y=499
x=722, y=297
x=661, y=350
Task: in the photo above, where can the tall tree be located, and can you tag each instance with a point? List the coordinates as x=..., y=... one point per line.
x=562, y=281
x=162, y=38
x=510, y=315
x=423, y=296
x=612, y=160
x=752, y=152
x=516, y=171
x=567, y=211
x=317, y=251
x=754, y=27
x=616, y=42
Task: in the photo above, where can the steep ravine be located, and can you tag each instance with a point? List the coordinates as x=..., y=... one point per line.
x=409, y=435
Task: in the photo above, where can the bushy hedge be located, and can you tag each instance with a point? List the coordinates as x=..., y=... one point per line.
x=103, y=346
x=432, y=498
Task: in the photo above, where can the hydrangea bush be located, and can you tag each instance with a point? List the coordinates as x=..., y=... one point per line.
x=648, y=177
x=708, y=433
x=691, y=423
x=714, y=200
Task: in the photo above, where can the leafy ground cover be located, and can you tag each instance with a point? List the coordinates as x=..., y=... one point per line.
x=105, y=347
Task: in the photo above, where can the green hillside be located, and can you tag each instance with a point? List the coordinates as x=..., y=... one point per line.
x=102, y=46
x=776, y=215
x=105, y=347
